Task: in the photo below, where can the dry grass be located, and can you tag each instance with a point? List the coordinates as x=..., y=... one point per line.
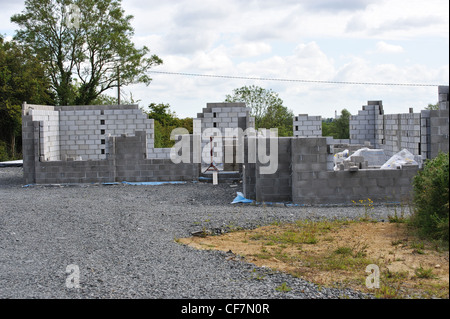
x=336, y=254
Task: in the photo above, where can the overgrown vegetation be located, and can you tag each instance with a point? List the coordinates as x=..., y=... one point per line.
x=431, y=199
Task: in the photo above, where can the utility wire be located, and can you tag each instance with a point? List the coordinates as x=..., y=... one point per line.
x=289, y=80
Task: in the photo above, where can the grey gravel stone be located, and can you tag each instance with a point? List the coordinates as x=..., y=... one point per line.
x=123, y=239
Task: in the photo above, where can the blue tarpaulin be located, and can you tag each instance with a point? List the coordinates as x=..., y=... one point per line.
x=151, y=183
x=241, y=199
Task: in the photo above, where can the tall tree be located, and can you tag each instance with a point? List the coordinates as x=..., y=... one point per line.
x=84, y=40
x=22, y=78
x=338, y=128
x=267, y=108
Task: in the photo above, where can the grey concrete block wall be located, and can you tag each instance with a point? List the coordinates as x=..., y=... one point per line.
x=84, y=129
x=305, y=125
x=344, y=187
x=80, y=132
x=277, y=186
x=312, y=183
x=49, y=133
x=364, y=126
x=423, y=133
x=85, y=144
x=309, y=156
x=439, y=124
x=126, y=162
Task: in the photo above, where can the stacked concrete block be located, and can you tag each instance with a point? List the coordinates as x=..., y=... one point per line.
x=49, y=133
x=307, y=126
x=30, y=146
x=126, y=163
x=425, y=134
x=443, y=92
x=276, y=187
x=131, y=164
x=392, y=132
x=311, y=183
x=308, y=159
x=85, y=129
x=439, y=124
x=402, y=131
x=216, y=118
x=363, y=126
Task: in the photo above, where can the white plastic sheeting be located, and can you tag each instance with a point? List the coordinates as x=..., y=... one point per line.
x=402, y=158
x=374, y=157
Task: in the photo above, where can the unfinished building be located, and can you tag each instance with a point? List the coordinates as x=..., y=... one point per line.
x=103, y=144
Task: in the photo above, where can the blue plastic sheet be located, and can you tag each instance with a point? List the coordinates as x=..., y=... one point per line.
x=241, y=199
x=151, y=183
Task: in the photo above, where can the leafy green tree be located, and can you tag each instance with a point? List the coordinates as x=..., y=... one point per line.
x=432, y=106
x=92, y=45
x=22, y=78
x=431, y=199
x=165, y=122
x=338, y=128
x=104, y=99
x=342, y=125
x=267, y=108
x=327, y=126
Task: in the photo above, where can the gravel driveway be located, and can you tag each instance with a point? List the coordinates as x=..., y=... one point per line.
x=122, y=239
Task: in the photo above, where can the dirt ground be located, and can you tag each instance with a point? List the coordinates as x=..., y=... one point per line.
x=338, y=257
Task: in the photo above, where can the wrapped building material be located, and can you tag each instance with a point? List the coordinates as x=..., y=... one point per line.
x=400, y=160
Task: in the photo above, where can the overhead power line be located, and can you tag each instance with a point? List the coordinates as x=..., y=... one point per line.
x=289, y=80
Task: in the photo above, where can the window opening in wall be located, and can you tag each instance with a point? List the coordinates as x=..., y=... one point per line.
x=103, y=151
x=214, y=124
x=215, y=115
x=102, y=132
x=103, y=142
x=296, y=128
x=102, y=122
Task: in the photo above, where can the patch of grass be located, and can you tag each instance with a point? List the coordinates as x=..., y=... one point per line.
x=344, y=251
x=387, y=292
x=294, y=238
x=283, y=288
x=424, y=273
x=399, y=242
x=256, y=237
x=399, y=219
x=418, y=248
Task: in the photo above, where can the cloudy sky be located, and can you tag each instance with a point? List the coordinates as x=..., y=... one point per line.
x=374, y=41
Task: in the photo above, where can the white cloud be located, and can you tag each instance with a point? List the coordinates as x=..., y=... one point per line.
x=401, y=19
x=337, y=5
x=250, y=49
x=383, y=47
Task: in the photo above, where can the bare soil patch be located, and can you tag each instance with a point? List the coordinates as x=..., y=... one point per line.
x=336, y=254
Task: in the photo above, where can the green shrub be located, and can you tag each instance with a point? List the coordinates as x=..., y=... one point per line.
x=3, y=152
x=431, y=200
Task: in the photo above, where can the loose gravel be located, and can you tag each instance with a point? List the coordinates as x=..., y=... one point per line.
x=123, y=240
